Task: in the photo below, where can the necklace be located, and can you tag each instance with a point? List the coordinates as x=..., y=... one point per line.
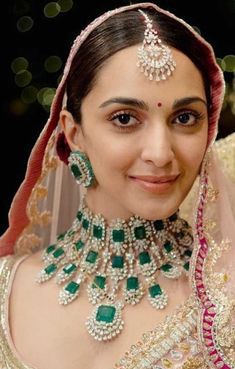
x=118, y=263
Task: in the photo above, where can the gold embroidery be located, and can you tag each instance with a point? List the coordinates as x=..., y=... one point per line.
x=8, y=360
x=28, y=241
x=155, y=345
x=225, y=148
x=195, y=363
x=167, y=363
x=212, y=194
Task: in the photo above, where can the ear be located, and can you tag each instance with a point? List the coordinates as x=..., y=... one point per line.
x=72, y=130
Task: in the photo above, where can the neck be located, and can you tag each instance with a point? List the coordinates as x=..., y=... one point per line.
x=99, y=203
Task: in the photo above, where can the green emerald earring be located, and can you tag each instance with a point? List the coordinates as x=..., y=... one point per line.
x=81, y=168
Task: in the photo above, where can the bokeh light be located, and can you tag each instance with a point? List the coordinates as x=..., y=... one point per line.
x=23, y=78
x=24, y=23
x=45, y=97
x=65, y=5
x=53, y=63
x=29, y=94
x=19, y=64
x=51, y=10
x=221, y=63
x=17, y=107
x=229, y=61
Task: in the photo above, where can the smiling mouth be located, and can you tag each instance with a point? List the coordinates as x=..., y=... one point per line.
x=155, y=184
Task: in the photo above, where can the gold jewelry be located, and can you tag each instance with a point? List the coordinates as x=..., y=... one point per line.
x=119, y=263
x=155, y=58
x=81, y=168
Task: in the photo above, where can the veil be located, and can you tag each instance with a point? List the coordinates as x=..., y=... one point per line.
x=48, y=199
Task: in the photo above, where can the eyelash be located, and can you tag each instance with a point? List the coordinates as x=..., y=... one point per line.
x=121, y=126
x=197, y=116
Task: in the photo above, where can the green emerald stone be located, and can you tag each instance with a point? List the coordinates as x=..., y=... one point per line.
x=97, y=232
x=168, y=246
x=180, y=235
x=158, y=225
x=140, y=232
x=72, y=287
x=117, y=261
x=59, y=252
x=155, y=290
x=50, y=268
x=99, y=281
x=85, y=224
x=132, y=283
x=61, y=236
x=69, y=268
x=105, y=313
x=71, y=233
x=173, y=217
x=92, y=257
x=76, y=171
x=79, y=215
x=144, y=258
x=188, y=253
x=79, y=245
x=50, y=249
x=186, y=266
x=118, y=235
x=166, y=267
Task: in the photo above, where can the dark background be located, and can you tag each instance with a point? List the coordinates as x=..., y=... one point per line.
x=21, y=123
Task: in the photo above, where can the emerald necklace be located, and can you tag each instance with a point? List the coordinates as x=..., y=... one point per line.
x=118, y=263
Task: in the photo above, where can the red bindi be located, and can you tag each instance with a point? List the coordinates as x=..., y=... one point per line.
x=159, y=104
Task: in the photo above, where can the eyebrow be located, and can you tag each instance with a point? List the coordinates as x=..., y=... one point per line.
x=142, y=105
x=126, y=101
x=187, y=100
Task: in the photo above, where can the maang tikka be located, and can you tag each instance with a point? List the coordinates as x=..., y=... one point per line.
x=154, y=58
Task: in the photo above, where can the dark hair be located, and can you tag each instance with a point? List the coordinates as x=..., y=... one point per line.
x=118, y=32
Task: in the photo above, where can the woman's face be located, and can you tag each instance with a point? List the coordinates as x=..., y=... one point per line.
x=145, y=139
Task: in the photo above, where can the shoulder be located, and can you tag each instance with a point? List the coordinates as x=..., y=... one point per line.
x=15, y=270
x=226, y=143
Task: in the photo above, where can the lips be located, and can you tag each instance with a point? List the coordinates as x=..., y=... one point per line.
x=155, y=179
x=155, y=184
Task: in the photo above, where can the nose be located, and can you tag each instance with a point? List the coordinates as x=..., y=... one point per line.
x=158, y=145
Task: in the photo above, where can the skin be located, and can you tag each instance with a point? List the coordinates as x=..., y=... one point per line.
x=157, y=140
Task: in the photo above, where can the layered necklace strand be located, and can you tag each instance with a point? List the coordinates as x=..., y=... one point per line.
x=119, y=263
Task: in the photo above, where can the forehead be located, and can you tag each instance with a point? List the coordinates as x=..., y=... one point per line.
x=120, y=76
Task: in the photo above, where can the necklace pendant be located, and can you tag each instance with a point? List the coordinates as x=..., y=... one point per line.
x=133, y=290
x=47, y=273
x=105, y=321
x=97, y=289
x=69, y=293
x=171, y=271
x=66, y=273
x=157, y=296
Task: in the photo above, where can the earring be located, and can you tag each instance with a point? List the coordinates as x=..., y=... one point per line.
x=81, y=168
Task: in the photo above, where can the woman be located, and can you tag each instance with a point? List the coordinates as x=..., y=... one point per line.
x=138, y=107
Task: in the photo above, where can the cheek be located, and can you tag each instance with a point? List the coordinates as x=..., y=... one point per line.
x=111, y=156
x=193, y=152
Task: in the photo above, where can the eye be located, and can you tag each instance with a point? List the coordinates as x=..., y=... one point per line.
x=124, y=120
x=188, y=118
